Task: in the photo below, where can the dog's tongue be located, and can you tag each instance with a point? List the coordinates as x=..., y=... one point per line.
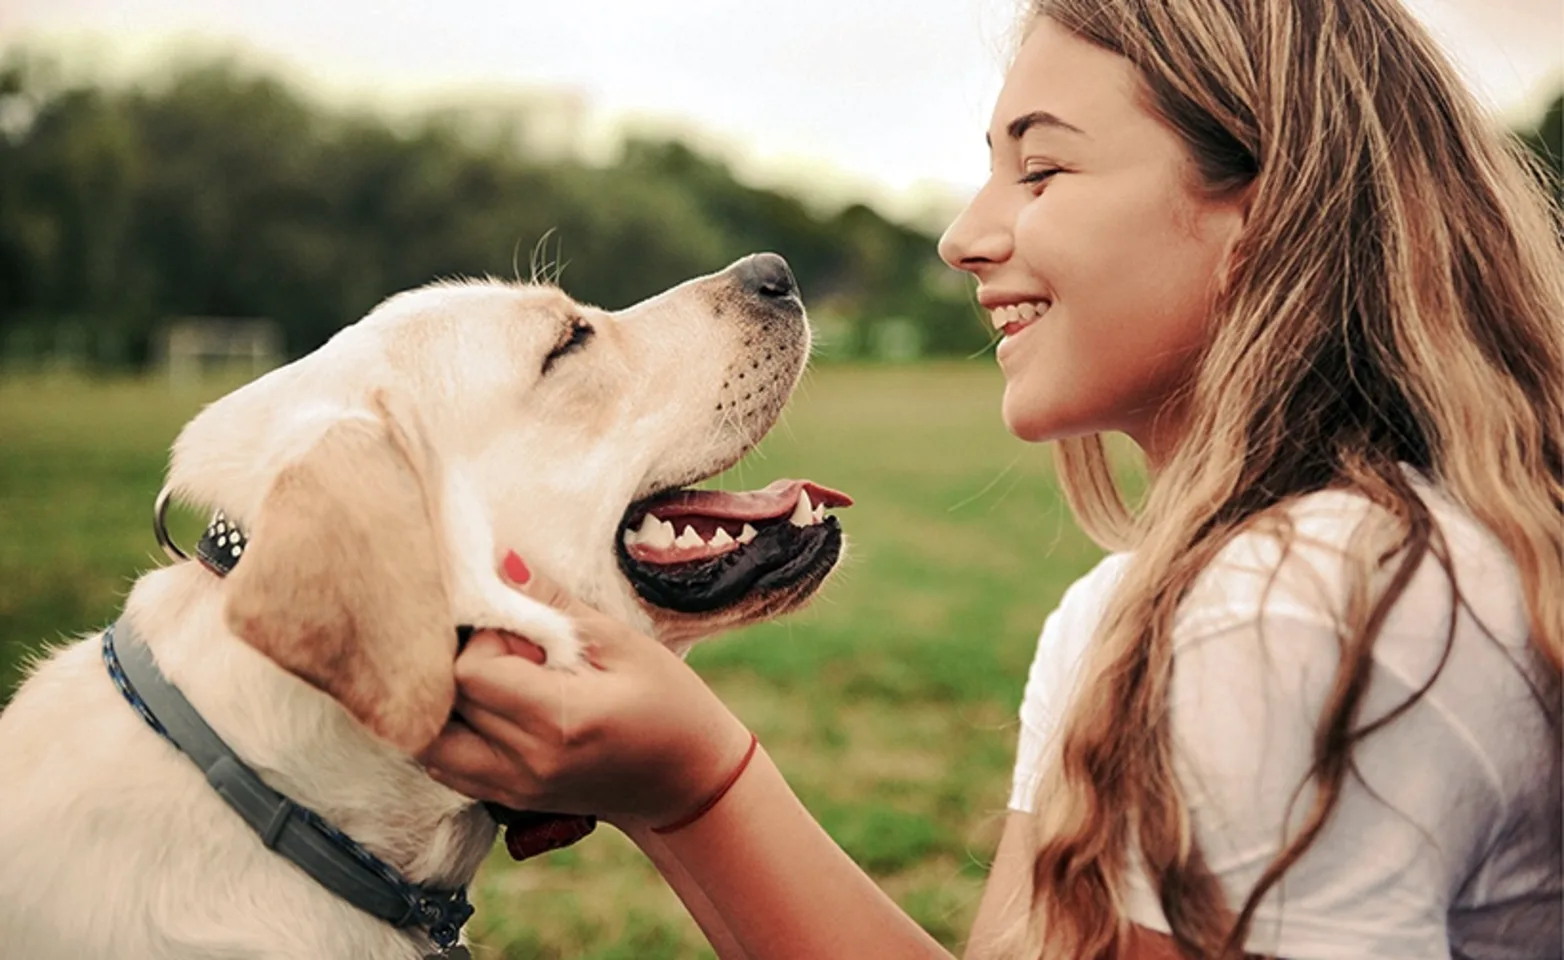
x=776, y=500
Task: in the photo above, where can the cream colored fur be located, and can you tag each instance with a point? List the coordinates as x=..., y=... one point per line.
x=381, y=479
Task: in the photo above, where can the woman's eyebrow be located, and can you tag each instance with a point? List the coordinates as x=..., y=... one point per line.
x=1018, y=127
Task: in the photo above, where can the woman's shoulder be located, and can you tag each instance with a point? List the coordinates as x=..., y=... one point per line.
x=1274, y=612
x=1070, y=628
x=1456, y=792
x=1087, y=596
x=1304, y=563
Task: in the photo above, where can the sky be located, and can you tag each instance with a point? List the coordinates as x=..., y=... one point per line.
x=886, y=99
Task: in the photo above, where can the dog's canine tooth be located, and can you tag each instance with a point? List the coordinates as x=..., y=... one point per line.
x=655, y=533
x=804, y=513
x=689, y=538
x=819, y=514
x=747, y=534
x=721, y=538
x=647, y=533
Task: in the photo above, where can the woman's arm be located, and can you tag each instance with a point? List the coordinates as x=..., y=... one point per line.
x=690, y=894
x=1008, y=892
x=1008, y=896
x=780, y=885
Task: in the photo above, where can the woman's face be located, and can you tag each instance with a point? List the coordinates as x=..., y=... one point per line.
x=1095, y=252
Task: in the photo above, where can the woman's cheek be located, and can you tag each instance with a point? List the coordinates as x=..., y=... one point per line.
x=1037, y=233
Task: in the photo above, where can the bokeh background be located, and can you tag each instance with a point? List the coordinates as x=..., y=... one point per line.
x=193, y=192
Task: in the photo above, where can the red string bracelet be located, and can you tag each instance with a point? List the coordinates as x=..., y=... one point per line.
x=722, y=791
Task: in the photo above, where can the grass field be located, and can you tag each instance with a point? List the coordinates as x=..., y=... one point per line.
x=889, y=704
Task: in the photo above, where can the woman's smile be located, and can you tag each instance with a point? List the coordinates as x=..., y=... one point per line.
x=1011, y=319
x=1013, y=322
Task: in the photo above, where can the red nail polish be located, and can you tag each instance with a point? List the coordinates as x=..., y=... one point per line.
x=516, y=569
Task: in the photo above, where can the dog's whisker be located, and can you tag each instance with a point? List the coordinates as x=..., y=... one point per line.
x=987, y=487
x=541, y=263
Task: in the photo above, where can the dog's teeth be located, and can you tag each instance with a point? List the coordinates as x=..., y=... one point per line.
x=819, y=513
x=803, y=514
x=689, y=538
x=721, y=538
x=747, y=534
x=645, y=533
x=654, y=533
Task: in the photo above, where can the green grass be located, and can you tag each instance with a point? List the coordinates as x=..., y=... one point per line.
x=889, y=704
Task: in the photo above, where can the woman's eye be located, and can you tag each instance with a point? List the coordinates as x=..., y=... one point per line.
x=1039, y=175
x=580, y=333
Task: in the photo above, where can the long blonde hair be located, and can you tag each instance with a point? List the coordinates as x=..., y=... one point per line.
x=1396, y=297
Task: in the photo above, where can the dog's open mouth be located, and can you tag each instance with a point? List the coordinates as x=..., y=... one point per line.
x=697, y=551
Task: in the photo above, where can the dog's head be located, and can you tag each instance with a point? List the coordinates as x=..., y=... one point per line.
x=485, y=416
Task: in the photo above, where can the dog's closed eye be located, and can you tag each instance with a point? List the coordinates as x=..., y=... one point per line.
x=576, y=337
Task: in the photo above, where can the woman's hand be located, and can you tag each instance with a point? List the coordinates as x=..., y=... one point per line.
x=633, y=736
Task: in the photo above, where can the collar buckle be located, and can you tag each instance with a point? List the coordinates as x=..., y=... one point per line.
x=444, y=917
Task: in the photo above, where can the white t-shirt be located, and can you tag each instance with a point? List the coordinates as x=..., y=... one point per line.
x=1459, y=854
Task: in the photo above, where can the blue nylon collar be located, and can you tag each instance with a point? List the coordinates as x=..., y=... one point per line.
x=288, y=829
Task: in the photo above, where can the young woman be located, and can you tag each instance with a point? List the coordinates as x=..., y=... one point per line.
x=1311, y=708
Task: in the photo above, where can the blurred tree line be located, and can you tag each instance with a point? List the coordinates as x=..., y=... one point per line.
x=219, y=191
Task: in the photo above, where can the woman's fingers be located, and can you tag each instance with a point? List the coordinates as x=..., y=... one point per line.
x=471, y=764
x=535, y=585
x=514, y=739
x=599, y=633
x=459, y=747
x=505, y=643
x=513, y=686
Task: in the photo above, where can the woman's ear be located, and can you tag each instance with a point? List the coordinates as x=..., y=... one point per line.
x=1233, y=225
x=343, y=584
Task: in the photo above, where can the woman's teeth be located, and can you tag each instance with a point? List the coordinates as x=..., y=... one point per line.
x=1014, y=316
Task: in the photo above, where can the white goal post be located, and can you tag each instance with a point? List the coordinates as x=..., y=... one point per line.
x=189, y=347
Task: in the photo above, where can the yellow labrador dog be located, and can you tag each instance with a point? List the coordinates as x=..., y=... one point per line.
x=367, y=492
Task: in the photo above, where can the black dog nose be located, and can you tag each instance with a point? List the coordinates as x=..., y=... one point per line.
x=768, y=275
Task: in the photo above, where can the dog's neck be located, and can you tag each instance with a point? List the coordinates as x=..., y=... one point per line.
x=300, y=740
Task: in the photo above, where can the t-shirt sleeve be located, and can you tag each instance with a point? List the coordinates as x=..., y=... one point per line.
x=1067, y=632
x=1250, y=679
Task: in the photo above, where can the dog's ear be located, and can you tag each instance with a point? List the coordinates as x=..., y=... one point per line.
x=342, y=580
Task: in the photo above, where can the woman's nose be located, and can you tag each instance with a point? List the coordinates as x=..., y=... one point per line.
x=977, y=237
